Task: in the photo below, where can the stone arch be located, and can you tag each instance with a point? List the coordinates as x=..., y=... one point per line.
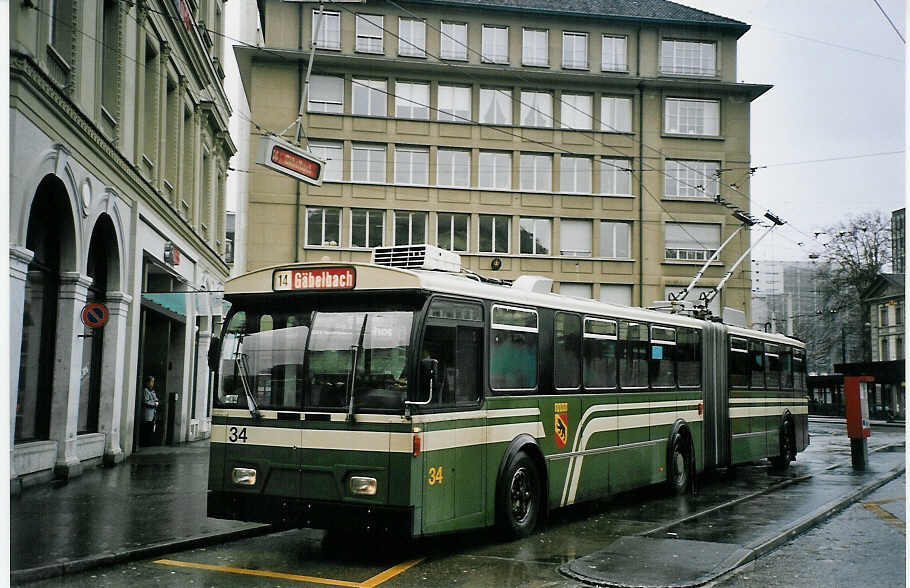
x=108, y=221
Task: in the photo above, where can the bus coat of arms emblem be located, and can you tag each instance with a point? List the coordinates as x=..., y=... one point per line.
x=561, y=424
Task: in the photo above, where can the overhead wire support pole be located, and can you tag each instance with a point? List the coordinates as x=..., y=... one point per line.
x=306, y=82
x=776, y=221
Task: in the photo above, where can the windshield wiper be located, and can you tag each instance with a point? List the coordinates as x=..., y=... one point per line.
x=243, y=369
x=355, y=352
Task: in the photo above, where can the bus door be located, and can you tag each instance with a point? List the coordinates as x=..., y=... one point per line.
x=454, y=426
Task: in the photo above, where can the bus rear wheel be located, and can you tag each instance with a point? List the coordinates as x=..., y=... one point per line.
x=679, y=466
x=782, y=461
x=520, y=497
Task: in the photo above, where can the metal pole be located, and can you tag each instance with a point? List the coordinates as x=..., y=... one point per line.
x=714, y=291
x=309, y=70
x=704, y=268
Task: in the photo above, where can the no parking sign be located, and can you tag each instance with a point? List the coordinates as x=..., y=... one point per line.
x=95, y=315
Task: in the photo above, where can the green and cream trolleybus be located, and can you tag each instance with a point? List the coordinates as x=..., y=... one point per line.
x=392, y=398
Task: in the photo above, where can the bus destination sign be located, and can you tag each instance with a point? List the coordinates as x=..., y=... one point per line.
x=290, y=160
x=322, y=278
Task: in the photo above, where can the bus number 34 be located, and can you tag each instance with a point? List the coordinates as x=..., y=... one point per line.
x=236, y=435
x=435, y=475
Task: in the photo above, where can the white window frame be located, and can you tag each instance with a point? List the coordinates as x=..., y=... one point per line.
x=451, y=230
x=537, y=225
x=576, y=111
x=494, y=44
x=412, y=98
x=333, y=104
x=536, y=109
x=412, y=37
x=615, y=174
x=330, y=33
x=495, y=100
x=691, y=116
x=536, y=166
x=570, y=50
x=377, y=96
x=532, y=54
x=410, y=161
x=615, y=239
x=411, y=214
x=616, y=114
x=678, y=57
x=368, y=212
x=373, y=167
x=456, y=172
x=682, y=178
x=322, y=225
x=573, y=180
x=568, y=230
x=366, y=39
x=501, y=169
x=495, y=239
x=453, y=103
x=614, y=54
x=453, y=44
x=333, y=153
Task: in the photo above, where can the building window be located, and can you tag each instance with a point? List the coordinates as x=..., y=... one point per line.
x=410, y=228
x=691, y=241
x=535, y=47
x=576, y=290
x=326, y=94
x=576, y=111
x=328, y=35
x=886, y=353
x=453, y=168
x=369, y=33
x=883, y=315
x=369, y=97
x=690, y=179
x=453, y=40
x=152, y=83
x=613, y=53
x=368, y=163
x=899, y=314
x=688, y=58
x=412, y=37
x=899, y=348
x=110, y=72
x=323, y=226
x=452, y=231
x=495, y=106
x=575, y=50
x=495, y=233
x=616, y=114
x=536, y=173
x=616, y=177
x=535, y=236
x=333, y=154
x=575, y=174
x=620, y=294
x=494, y=44
x=454, y=103
x=412, y=165
x=494, y=170
x=367, y=227
x=692, y=117
x=412, y=100
x=230, y=224
x=615, y=240
x=575, y=238
x=536, y=109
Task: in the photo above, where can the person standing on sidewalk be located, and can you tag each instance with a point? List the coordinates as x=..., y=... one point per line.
x=149, y=411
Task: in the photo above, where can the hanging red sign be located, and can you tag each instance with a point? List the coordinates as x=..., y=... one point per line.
x=95, y=315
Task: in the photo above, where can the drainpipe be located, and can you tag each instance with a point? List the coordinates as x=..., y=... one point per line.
x=641, y=166
x=299, y=93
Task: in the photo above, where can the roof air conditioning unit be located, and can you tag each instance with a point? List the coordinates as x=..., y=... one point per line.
x=417, y=257
x=537, y=284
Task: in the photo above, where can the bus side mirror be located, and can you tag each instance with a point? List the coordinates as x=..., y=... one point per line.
x=214, y=353
x=429, y=372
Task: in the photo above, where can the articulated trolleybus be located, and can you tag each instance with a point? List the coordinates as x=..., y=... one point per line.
x=393, y=398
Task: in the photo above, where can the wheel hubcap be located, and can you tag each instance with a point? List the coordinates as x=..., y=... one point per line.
x=520, y=494
x=679, y=468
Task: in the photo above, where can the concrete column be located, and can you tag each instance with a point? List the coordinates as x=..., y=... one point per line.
x=202, y=374
x=112, y=370
x=19, y=258
x=67, y=372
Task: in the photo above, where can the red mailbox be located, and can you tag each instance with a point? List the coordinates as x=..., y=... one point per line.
x=857, y=406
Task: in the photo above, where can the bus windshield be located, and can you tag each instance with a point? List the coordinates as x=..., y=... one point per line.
x=315, y=360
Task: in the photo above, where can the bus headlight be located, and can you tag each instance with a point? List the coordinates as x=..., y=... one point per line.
x=362, y=485
x=244, y=476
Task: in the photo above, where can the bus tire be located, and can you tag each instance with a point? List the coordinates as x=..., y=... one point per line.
x=786, y=454
x=520, y=497
x=679, y=466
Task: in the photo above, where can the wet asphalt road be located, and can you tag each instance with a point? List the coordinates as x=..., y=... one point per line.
x=308, y=557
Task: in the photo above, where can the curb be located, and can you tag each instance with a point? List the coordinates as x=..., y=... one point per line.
x=72, y=566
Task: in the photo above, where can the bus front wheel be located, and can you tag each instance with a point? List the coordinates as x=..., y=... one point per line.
x=520, y=497
x=679, y=468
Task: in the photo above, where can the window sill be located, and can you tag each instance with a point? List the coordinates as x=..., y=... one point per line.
x=537, y=65
x=368, y=52
x=576, y=67
x=708, y=199
x=616, y=71
x=689, y=76
x=414, y=56
x=667, y=135
x=698, y=262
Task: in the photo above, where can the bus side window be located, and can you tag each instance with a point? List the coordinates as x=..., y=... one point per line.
x=454, y=338
x=567, y=348
x=786, y=368
x=688, y=357
x=756, y=361
x=772, y=357
x=738, y=362
x=600, y=354
x=468, y=364
x=633, y=355
x=439, y=343
x=513, y=349
x=661, y=356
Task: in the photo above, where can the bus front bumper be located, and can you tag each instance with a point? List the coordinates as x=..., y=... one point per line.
x=297, y=512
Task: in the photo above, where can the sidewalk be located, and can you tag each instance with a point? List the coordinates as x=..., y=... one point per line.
x=152, y=503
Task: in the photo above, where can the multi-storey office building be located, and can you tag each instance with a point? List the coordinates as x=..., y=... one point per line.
x=585, y=141
x=118, y=156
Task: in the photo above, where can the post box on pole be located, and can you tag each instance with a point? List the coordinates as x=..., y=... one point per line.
x=857, y=405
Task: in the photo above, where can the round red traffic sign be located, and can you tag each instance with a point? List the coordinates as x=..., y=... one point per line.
x=95, y=315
